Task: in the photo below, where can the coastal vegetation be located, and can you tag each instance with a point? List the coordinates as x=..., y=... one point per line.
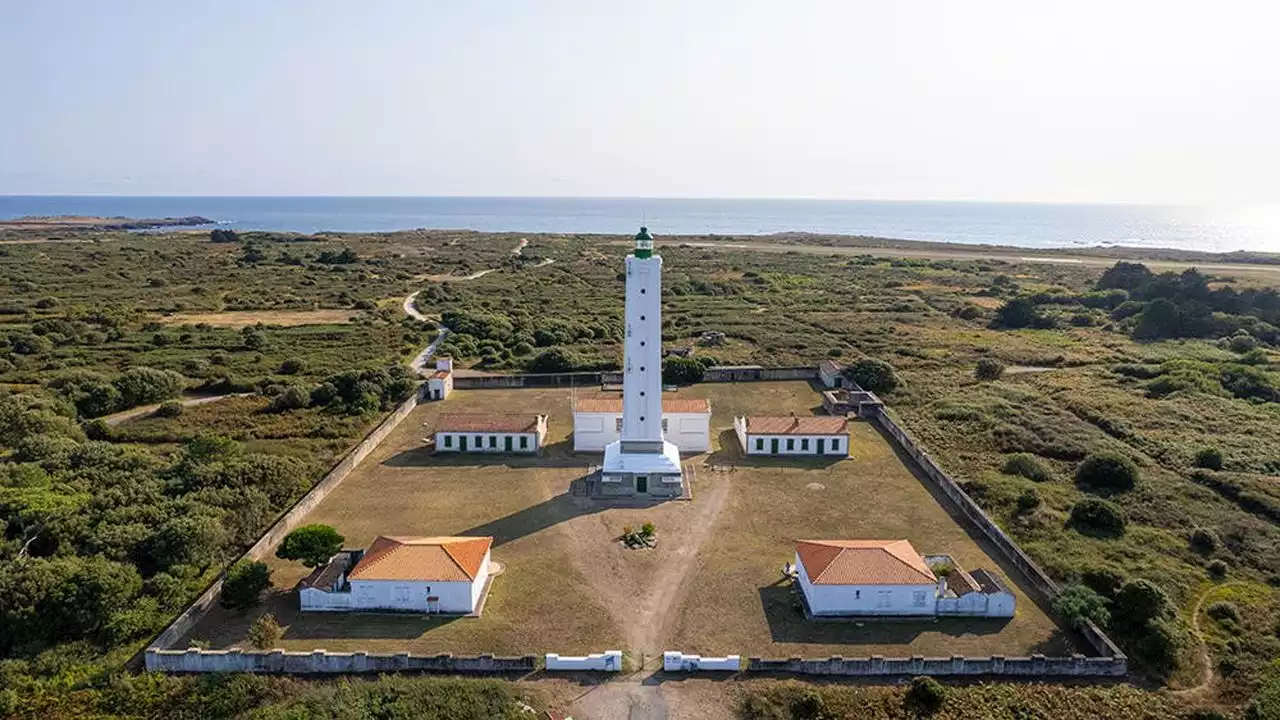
x=1120, y=421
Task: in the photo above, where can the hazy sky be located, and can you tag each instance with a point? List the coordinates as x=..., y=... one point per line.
x=1162, y=101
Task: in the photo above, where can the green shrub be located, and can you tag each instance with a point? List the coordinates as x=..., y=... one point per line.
x=1107, y=471
x=1209, y=458
x=926, y=695
x=169, y=409
x=312, y=545
x=294, y=397
x=1223, y=610
x=1103, y=580
x=1096, y=515
x=555, y=360
x=292, y=366
x=1026, y=465
x=1204, y=540
x=988, y=369
x=242, y=587
x=1078, y=604
x=877, y=376
x=1028, y=500
x=142, y=385
x=1139, y=602
x=1217, y=569
x=682, y=371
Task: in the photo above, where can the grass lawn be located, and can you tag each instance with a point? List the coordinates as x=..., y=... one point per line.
x=710, y=585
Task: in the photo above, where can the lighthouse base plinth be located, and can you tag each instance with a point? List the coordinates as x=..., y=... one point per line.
x=644, y=474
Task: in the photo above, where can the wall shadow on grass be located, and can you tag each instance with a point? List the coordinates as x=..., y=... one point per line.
x=784, y=609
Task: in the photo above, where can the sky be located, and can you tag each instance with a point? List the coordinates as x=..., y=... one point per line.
x=1116, y=101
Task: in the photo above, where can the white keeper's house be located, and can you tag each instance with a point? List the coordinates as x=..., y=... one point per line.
x=411, y=574
x=888, y=577
x=865, y=577
x=686, y=422
x=490, y=433
x=824, y=435
x=440, y=381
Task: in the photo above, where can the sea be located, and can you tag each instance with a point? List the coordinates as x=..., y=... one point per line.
x=1028, y=225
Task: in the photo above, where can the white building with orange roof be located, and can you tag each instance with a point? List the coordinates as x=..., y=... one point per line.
x=824, y=435
x=866, y=577
x=686, y=422
x=412, y=574
x=521, y=433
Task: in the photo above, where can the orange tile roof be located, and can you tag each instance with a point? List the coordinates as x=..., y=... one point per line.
x=796, y=425
x=670, y=403
x=441, y=559
x=439, y=374
x=863, y=562
x=487, y=422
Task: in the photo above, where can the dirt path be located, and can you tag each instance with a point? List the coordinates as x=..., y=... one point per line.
x=1208, y=676
x=142, y=410
x=652, y=620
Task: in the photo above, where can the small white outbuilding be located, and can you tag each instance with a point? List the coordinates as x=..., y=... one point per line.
x=824, y=435
x=490, y=433
x=440, y=381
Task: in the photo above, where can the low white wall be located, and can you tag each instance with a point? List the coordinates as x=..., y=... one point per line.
x=673, y=661
x=608, y=661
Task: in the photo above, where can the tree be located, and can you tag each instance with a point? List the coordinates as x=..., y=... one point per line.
x=1107, y=471
x=1139, y=602
x=1078, y=604
x=877, y=376
x=1020, y=312
x=218, y=235
x=682, y=371
x=988, y=369
x=312, y=545
x=1096, y=515
x=196, y=541
x=294, y=397
x=555, y=360
x=265, y=632
x=142, y=385
x=1160, y=318
x=1125, y=276
x=926, y=695
x=243, y=586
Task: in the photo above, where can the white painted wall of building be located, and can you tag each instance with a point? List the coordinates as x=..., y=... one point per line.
x=759, y=444
x=978, y=604
x=609, y=661
x=439, y=388
x=406, y=595
x=480, y=442
x=690, y=432
x=830, y=379
x=867, y=599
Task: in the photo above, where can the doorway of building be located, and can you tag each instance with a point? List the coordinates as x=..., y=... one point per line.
x=821, y=443
x=506, y=443
x=462, y=443
x=642, y=483
x=773, y=446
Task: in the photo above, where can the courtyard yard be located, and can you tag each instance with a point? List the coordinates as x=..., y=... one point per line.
x=711, y=585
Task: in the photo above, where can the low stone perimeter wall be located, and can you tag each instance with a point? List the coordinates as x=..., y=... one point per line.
x=673, y=661
x=1036, y=665
x=323, y=662
x=287, y=522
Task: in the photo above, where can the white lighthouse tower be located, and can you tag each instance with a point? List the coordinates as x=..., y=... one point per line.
x=642, y=462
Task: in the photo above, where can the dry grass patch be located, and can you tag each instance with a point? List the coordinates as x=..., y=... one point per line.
x=243, y=318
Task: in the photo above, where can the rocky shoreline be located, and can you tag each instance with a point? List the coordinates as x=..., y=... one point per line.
x=90, y=222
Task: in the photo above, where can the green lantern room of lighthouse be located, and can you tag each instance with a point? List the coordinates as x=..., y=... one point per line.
x=644, y=243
